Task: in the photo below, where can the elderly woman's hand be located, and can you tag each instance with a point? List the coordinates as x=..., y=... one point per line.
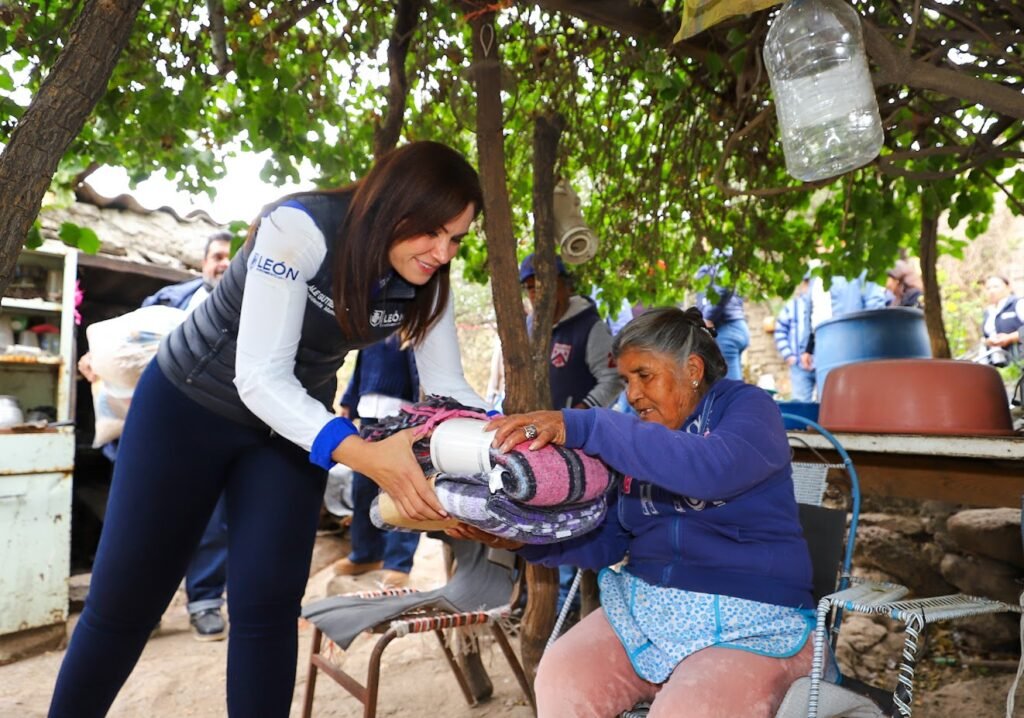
x=539, y=427
x=472, y=533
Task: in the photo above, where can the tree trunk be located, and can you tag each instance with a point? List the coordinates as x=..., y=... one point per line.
x=526, y=379
x=522, y=393
x=55, y=117
x=590, y=596
x=386, y=133
x=929, y=251
x=547, y=130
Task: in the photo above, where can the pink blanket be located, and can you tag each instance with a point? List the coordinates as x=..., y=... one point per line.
x=553, y=475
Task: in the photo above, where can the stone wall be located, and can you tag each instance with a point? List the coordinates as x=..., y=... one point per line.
x=935, y=549
x=762, y=364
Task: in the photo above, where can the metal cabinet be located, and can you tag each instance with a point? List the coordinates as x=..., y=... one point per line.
x=37, y=458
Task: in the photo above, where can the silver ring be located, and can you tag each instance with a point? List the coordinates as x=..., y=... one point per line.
x=531, y=431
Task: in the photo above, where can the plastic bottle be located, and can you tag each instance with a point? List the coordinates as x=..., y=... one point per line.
x=824, y=99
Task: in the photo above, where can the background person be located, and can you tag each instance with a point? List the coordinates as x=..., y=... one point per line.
x=845, y=295
x=239, y=402
x=904, y=286
x=727, y=316
x=792, y=335
x=581, y=368
x=384, y=378
x=712, y=609
x=206, y=575
x=1002, y=321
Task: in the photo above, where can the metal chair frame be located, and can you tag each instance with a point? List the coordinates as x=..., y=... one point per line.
x=420, y=620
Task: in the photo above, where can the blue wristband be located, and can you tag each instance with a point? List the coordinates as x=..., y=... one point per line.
x=334, y=432
x=493, y=413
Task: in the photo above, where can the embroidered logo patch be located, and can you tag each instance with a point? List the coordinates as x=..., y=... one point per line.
x=560, y=354
x=381, y=318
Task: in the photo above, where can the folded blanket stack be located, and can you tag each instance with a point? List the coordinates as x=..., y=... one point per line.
x=545, y=496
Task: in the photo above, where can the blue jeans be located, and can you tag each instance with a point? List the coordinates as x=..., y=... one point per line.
x=369, y=543
x=208, y=570
x=733, y=337
x=176, y=460
x=803, y=383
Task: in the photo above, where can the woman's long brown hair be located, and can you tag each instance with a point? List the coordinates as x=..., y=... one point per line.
x=412, y=190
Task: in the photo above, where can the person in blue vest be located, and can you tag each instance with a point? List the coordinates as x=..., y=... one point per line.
x=726, y=315
x=1002, y=322
x=206, y=574
x=190, y=294
x=792, y=335
x=240, y=402
x=385, y=377
x=581, y=369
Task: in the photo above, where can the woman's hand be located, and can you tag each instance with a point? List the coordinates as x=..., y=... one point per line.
x=472, y=533
x=542, y=427
x=391, y=465
x=1003, y=340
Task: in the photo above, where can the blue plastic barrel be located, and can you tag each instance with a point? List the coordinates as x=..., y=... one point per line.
x=891, y=333
x=797, y=411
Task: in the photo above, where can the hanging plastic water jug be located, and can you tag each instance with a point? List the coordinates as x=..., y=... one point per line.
x=824, y=99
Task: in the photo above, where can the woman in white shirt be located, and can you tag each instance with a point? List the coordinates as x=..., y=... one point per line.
x=239, y=401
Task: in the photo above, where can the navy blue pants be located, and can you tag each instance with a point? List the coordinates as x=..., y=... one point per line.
x=176, y=459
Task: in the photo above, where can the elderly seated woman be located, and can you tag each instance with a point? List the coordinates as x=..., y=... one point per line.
x=707, y=608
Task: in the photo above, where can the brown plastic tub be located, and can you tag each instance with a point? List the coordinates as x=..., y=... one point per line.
x=916, y=396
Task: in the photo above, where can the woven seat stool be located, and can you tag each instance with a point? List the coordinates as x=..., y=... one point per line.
x=916, y=614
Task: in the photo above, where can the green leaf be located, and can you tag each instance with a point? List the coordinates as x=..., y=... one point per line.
x=83, y=238
x=34, y=240
x=89, y=241
x=69, y=233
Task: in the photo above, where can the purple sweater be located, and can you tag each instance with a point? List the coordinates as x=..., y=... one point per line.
x=706, y=508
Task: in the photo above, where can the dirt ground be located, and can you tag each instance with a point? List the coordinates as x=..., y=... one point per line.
x=178, y=676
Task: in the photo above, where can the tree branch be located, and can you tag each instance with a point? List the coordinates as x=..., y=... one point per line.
x=386, y=134
x=56, y=115
x=305, y=11
x=218, y=35
x=897, y=69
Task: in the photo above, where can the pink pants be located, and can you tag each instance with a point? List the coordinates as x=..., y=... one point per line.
x=586, y=673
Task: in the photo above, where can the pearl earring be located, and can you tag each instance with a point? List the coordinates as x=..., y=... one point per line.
x=695, y=383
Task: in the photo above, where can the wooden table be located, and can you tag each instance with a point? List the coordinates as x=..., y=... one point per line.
x=974, y=470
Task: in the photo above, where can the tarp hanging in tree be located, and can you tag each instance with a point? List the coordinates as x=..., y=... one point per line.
x=699, y=15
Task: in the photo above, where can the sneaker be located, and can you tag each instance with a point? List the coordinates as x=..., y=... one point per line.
x=208, y=625
x=344, y=567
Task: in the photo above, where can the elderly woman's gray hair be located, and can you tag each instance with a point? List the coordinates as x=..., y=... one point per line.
x=677, y=333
